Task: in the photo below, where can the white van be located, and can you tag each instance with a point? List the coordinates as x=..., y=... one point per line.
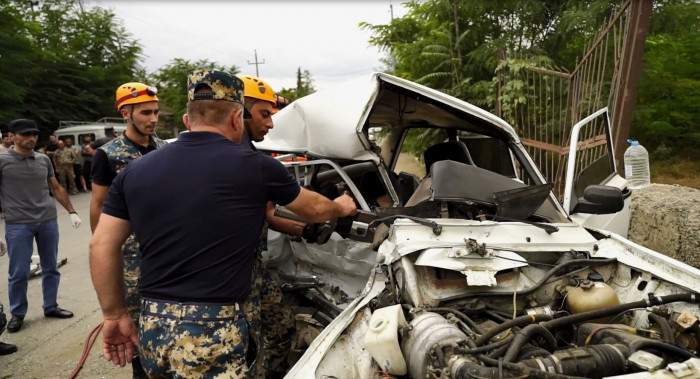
x=77, y=130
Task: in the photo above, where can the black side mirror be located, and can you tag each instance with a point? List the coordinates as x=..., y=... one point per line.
x=599, y=199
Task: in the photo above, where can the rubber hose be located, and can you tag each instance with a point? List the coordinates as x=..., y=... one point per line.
x=518, y=321
x=666, y=331
x=590, y=315
x=658, y=345
x=513, y=369
x=524, y=336
x=485, y=348
x=467, y=320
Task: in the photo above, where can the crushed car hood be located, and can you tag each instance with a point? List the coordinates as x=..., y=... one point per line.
x=329, y=123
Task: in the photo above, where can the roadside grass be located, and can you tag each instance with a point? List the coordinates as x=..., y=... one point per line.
x=682, y=171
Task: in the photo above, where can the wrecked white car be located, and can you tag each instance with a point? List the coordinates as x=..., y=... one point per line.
x=462, y=263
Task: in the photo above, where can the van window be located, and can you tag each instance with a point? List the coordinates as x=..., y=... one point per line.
x=81, y=137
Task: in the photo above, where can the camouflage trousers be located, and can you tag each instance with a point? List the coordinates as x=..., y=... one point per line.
x=193, y=340
x=271, y=321
x=132, y=273
x=66, y=177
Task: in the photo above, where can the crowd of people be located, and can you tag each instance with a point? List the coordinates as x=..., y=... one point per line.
x=179, y=264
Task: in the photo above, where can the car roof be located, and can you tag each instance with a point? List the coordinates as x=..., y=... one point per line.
x=330, y=122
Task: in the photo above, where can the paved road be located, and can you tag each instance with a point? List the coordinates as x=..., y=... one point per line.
x=51, y=348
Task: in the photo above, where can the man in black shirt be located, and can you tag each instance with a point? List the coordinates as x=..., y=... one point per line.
x=196, y=236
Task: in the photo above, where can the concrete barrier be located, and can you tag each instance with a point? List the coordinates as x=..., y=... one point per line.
x=666, y=218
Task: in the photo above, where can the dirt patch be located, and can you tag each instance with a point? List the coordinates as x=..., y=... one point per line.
x=666, y=218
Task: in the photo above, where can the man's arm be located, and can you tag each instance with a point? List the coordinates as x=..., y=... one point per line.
x=315, y=207
x=60, y=194
x=119, y=335
x=283, y=225
x=99, y=193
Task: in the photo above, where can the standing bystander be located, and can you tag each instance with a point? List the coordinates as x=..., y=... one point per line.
x=87, y=160
x=30, y=214
x=6, y=141
x=196, y=255
x=138, y=105
x=77, y=164
x=63, y=159
x=51, y=146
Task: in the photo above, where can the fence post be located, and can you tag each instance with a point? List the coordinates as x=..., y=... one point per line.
x=623, y=110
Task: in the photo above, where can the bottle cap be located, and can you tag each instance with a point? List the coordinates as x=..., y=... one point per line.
x=633, y=143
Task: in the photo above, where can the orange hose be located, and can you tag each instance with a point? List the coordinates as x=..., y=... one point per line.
x=91, y=338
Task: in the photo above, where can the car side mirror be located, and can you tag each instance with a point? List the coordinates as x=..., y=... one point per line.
x=599, y=199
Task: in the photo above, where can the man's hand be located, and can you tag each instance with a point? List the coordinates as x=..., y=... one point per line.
x=75, y=219
x=119, y=338
x=346, y=205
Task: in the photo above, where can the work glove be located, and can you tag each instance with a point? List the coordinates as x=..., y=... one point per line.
x=317, y=233
x=75, y=219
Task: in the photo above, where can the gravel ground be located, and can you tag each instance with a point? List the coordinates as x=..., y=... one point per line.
x=51, y=348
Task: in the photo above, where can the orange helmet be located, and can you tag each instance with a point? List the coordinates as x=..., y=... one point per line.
x=258, y=89
x=135, y=93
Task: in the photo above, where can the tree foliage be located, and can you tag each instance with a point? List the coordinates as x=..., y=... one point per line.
x=453, y=46
x=305, y=86
x=61, y=61
x=171, y=81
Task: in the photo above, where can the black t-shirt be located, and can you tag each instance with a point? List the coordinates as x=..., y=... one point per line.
x=196, y=207
x=102, y=173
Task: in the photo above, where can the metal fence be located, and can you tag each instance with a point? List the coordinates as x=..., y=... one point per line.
x=544, y=102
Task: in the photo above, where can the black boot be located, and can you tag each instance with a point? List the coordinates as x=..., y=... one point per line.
x=6, y=348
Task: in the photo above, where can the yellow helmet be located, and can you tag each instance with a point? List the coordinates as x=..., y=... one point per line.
x=135, y=93
x=258, y=89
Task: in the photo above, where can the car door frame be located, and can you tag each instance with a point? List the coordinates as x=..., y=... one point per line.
x=615, y=222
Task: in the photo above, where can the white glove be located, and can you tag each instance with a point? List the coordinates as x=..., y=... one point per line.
x=3, y=247
x=74, y=219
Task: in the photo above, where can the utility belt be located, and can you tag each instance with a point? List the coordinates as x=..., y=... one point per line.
x=192, y=311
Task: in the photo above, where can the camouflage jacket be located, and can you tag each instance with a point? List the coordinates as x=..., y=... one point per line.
x=120, y=151
x=64, y=157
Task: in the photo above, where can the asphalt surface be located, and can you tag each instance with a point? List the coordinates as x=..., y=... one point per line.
x=52, y=348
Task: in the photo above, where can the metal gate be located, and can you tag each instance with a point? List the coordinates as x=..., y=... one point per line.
x=549, y=100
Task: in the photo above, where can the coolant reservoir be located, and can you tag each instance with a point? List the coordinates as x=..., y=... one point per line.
x=590, y=296
x=382, y=339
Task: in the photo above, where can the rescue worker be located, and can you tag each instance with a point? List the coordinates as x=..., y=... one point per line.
x=275, y=323
x=197, y=237
x=138, y=105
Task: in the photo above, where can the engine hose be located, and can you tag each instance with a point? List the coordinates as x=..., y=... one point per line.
x=658, y=345
x=590, y=315
x=467, y=320
x=514, y=370
x=540, y=283
x=485, y=348
x=524, y=336
x=518, y=321
x=666, y=331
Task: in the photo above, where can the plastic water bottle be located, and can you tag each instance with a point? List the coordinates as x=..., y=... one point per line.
x=636, y=166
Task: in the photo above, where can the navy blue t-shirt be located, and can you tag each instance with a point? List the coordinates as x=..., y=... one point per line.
x=197, y=207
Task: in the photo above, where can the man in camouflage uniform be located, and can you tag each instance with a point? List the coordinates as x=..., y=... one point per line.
x=138, y=105
x=196, y=237
x=63, y=159
x=275, y=320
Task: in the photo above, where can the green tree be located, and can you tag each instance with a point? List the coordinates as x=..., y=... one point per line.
x=171, y=81
x=66, y=61
x=305, y=86
x=452, y=46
